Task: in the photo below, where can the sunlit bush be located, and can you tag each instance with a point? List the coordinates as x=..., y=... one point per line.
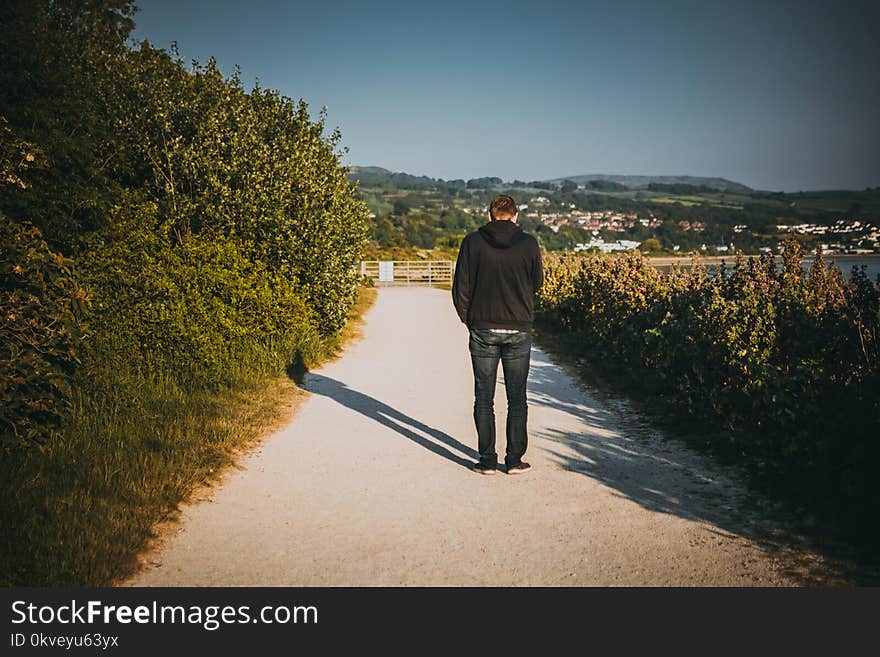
x=782, y=361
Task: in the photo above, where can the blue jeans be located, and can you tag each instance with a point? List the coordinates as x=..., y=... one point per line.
x=513, y=350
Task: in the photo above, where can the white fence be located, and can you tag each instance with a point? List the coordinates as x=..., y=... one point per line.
x=408, y=272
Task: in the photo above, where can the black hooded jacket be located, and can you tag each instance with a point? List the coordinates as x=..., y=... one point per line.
x=497, y=274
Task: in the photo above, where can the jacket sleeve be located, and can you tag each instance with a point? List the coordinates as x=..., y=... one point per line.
x=537, y=270
x=461, y=284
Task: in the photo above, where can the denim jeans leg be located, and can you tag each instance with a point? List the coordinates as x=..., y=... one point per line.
x=515, y=360
x=484, y=357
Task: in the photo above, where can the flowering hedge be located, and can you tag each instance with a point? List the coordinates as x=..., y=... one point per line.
x=783, y=361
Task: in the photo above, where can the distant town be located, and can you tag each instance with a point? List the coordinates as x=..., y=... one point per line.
x=844, y=236
x=663, y=215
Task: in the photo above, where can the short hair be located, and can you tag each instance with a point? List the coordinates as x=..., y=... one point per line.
x=502, y=206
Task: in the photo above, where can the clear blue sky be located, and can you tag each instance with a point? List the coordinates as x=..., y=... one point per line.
x=777, y=95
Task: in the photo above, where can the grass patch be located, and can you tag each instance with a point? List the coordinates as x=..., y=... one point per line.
x=675, y=200
x=135, y=447
x=692, y=201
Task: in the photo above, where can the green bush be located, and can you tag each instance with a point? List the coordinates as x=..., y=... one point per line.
x=185, y=309
x=39, y=299
x=250, y=166
x=209, y=225
x=783, y=362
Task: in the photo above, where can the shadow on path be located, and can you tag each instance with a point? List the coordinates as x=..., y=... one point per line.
x=385, y=415
x=614, y=445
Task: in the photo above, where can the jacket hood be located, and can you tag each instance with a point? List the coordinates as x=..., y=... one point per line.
x=501, y=234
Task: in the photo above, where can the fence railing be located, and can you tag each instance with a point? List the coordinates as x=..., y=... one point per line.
x=408, y=272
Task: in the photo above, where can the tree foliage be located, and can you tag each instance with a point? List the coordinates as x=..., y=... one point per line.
x=194, y=214
x=39, y=303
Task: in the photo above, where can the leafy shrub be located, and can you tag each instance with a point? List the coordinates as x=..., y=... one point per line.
x=784, y=362
x=211, y=226
x=185, y=309
x=250, y=166
x=39, y=299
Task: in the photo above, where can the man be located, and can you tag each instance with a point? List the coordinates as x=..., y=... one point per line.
x=497, y=273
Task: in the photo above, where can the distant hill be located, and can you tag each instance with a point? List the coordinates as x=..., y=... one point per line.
x=600, y=181
x=642, y=182
x=372, y=174
x=369, y=175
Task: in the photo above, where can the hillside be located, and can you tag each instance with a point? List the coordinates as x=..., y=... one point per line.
x=641, y=182
x=370, y=173
x=379, y=174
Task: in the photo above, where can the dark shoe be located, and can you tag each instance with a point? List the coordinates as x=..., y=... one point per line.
x=518, y=468
x=482, y=468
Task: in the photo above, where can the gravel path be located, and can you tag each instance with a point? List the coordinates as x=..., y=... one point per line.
x=368, y=485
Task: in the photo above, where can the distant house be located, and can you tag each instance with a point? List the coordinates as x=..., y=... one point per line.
x=607, y=247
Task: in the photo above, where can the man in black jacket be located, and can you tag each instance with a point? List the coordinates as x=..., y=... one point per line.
x=497, y=274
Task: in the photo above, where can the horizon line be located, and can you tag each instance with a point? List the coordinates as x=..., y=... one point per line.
x=629, y=175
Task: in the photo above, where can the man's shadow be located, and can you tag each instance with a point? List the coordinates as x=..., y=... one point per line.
x=319, y=384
